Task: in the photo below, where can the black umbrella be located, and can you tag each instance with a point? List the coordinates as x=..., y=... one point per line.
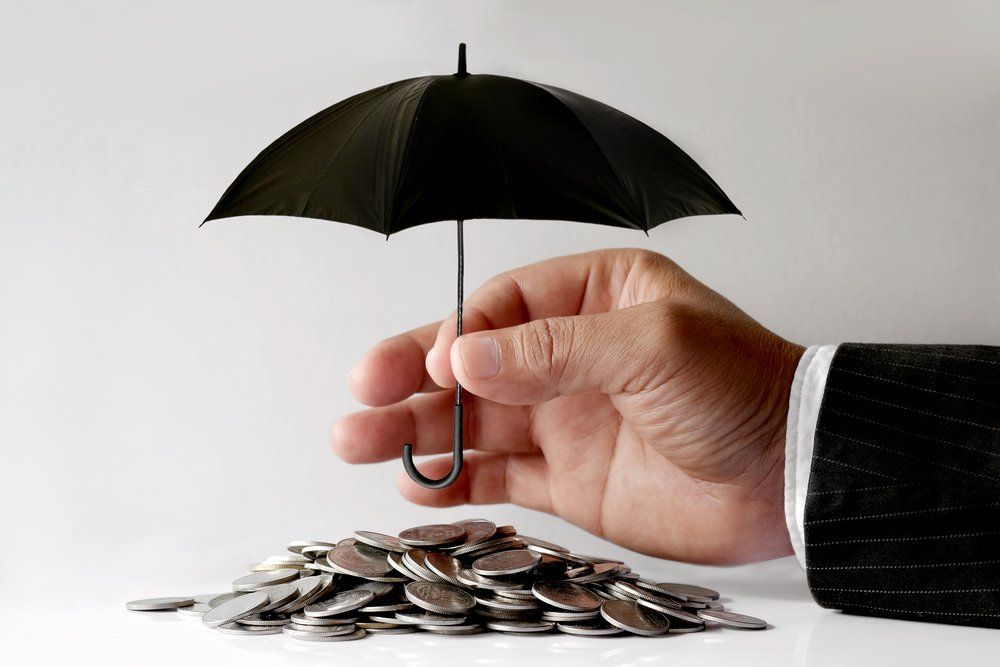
x=465, y=146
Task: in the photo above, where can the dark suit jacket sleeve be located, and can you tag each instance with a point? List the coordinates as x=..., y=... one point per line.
x=902, y=517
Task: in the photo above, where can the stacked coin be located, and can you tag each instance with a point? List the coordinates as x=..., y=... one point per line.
x=449, y=579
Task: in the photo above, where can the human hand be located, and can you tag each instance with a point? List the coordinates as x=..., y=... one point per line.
x=609, y=388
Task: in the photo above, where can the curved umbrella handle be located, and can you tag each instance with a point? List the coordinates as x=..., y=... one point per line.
x=456, y=460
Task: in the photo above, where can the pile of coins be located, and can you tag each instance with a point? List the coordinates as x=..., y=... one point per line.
x=449, y=579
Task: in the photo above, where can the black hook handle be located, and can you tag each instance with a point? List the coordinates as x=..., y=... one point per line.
x=456, y=460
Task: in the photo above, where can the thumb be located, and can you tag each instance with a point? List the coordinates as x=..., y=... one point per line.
x=560, y=356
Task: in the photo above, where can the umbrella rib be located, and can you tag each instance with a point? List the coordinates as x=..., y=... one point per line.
x=406, y=154
x=631, y=196
x=333, y=158
x=503, y=158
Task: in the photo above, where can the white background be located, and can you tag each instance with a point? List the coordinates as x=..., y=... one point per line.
x=166, y=391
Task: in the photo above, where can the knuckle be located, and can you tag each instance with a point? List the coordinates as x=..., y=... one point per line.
x=545, y=345
x=649, y=261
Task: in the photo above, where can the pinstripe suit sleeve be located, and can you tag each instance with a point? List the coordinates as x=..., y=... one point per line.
x=902, y=515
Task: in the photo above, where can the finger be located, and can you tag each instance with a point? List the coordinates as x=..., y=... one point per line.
x=395, y=369
x=609, y=353
x=592, y=282
x=486, y=479
x=426, y=421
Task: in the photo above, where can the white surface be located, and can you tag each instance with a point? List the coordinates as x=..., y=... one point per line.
x=100, y=631
x=808, y=387
x=166, y=391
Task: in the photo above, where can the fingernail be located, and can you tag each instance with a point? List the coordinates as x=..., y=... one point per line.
x=480, y=356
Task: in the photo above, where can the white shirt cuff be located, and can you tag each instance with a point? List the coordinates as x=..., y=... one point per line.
x=803, y=412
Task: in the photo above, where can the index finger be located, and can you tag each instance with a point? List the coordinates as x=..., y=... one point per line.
x=394, y=369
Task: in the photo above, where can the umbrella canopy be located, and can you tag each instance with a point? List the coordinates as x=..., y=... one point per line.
x=465, y=146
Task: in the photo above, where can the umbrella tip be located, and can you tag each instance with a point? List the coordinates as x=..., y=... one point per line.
x=461, y=60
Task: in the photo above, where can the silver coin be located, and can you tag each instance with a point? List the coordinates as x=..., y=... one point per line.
x=258, y=580
x=399, y=630
x=566, y=595
x=248, y=630
x=379, y=589
x=197, y=610
x=671, y=611
x=599, y=572
x=297, y=546
x=314, y=551
x=475, y=580
x=380, y=541
x=732, y=620
x=495, y=543
x=377, y=625
x=341, y=603
x=470, y=629
x=414, y=560
x=605, y=595
x=570, y=616
x=391, y=579
x=635, y=592
x=589, y=629
x=432, y=535
x=439, y=597
x=445, y=567
x=542, y=543
x=477, y=530
x=505, y=614
x=611, y=592
x=314, y=637
x=688, y=592
x=310, y=590
x=715, y=604
x=577, y=572
x=628, y=616
x=600, y=560
x=225, y=597
x=386, y=608
x=399, y=565
x=235, y=609
x=270, y=567
x=383, y=619
x=504, y=544
x=302, y=619
x=505, y=604
x=330, y=630
x=555, y=553
x=322, y=566
x=359, y=561
x=693, y=606
x=279, y=595
x=258, y=622
x=506, y=563
x=515, y=593
x=520, y=626
x=207, y=597
x=159, y=604
x=427, y=618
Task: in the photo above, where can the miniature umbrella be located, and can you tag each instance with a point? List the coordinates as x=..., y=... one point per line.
x=466, y=146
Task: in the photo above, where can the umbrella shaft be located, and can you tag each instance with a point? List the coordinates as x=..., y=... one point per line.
x=461, y=281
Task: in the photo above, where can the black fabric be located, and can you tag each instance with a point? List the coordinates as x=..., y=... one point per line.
x=462, y=147
x=902, y=517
